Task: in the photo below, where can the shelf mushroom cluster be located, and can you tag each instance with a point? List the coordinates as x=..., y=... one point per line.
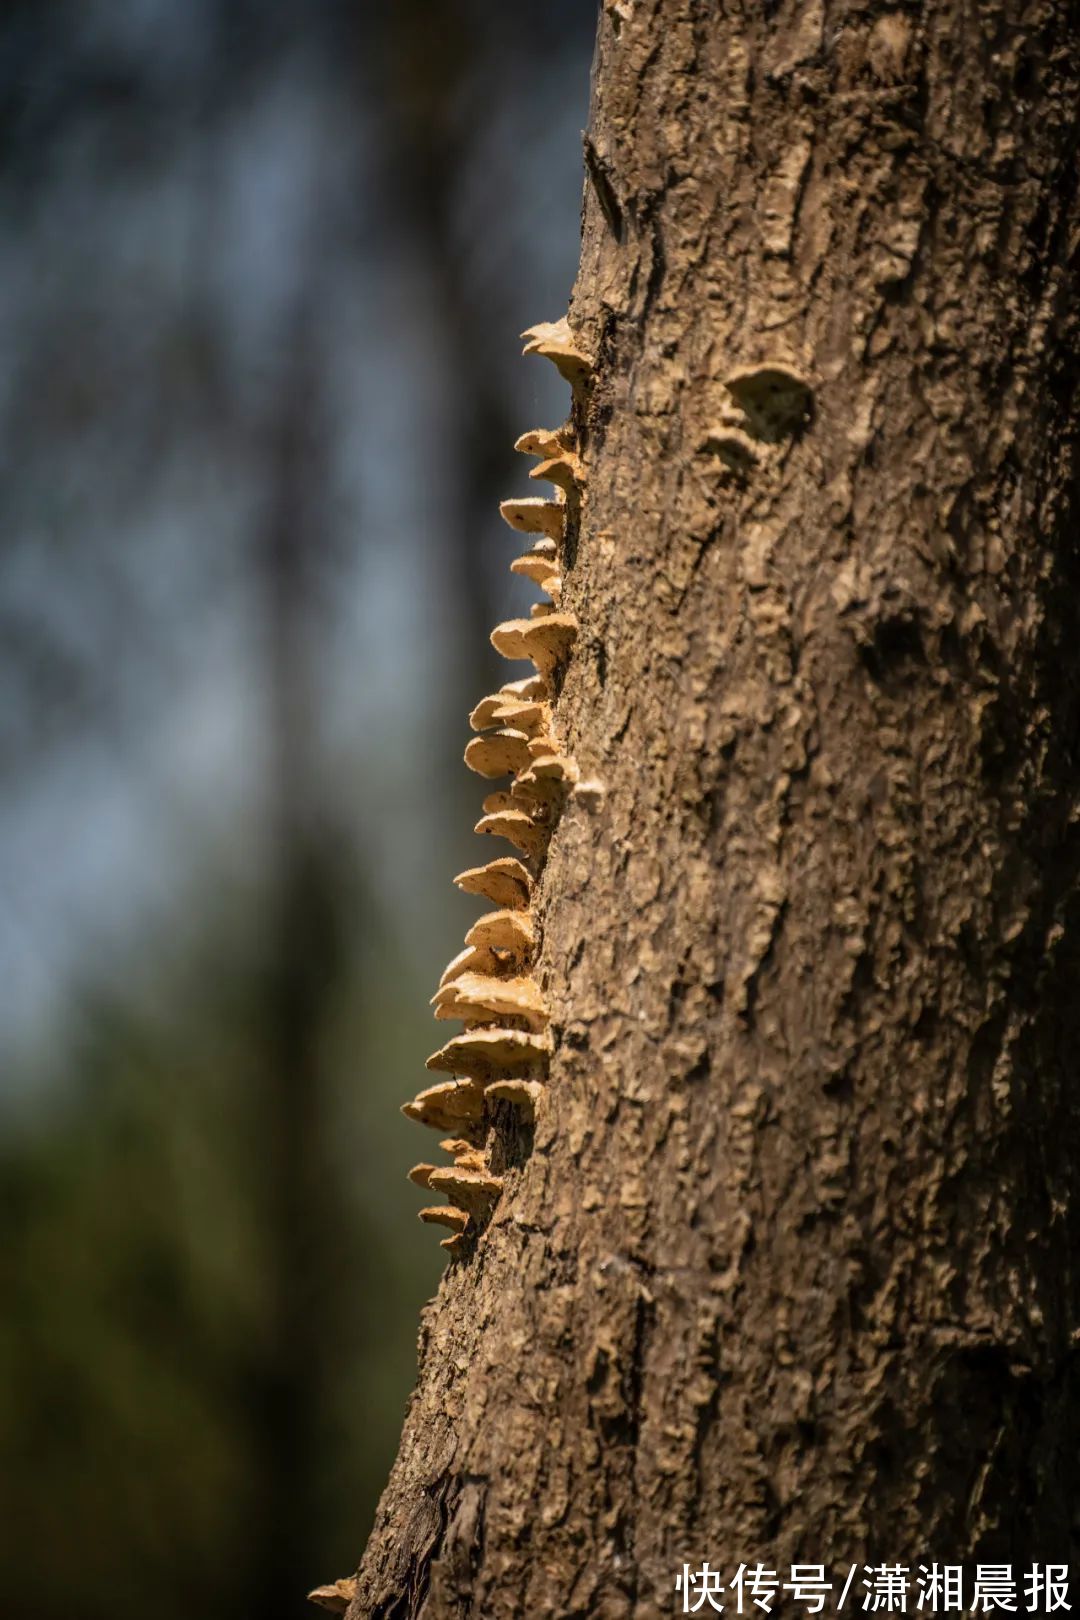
x=502, y=1054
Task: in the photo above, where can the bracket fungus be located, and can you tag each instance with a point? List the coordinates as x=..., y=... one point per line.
x=538, y=567
x=519, y=828
x=555, y=342
x=501, y=1057
x=490, y=1048
x=529, y=715
x=548, y=779
x=564, y=471
x=471, y=959
x=545, y=641
x=336, y=1596
x=497, y=998
x=505, y=882
x=498, y=753
x=546, y=442
x=503, y=931
x=472, y=1190
x=532, y=514
x=452, y=1105
x=445, y=1215
x=530, y=686
x=493, y=804
x=486, y=713
x=522, y=1093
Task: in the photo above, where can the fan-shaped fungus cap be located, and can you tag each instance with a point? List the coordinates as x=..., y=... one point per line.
x=485, y=714
x=452, y=1105
x=336, y=1596
x=498, y=753
x=473, y=1190
x=540, y=569
x=545, y=641
x=505, y=882
x=522, y=1093
x=445, y=1215
x=519, y=828
x=545, y=442
x=565, y=471
x=420, y=1174
x=554, y=768
x=474, y=958
x=495, y=803
x=531, y=514
x=466, y=1154
x=524, y=715
x=548, y=780
x=530, y=686
x=503, y=931
x=477, y=994
x=775, y=397
x=481, y=1050
x=555, y=341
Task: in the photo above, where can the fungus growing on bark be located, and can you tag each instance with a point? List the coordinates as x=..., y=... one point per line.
x=530, y=686
x=530, y=716
x=564, y=471
x=519, y=827
x=522, y=1093
x=776, y=400
x=471, y=959
x=498, y=753
x=472, y=1190
x=555, y=341
x=482, y=1050
x=546, y=442
x=531, y=514
x=502, y=1053
x=446, y=1215
x=505, y=882
x=538, y=567
x=478, y=994
x=486, y=712
x=503, y=931
x=452, y=1105
x=494, y=804
x=336, y=1596
x=545, y=641
x=548, y=779
x=463, y=1153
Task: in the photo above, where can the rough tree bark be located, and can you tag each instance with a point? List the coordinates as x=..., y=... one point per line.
x=787, y=1270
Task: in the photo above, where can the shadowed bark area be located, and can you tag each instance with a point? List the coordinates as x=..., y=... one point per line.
x=787, y=1270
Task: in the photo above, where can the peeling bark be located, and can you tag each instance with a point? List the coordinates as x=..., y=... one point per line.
x=787, y=1268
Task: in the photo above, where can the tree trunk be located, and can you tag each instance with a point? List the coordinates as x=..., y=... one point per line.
x=787, y=1270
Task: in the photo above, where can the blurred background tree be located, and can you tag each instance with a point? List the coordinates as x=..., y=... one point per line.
x=261, y=275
